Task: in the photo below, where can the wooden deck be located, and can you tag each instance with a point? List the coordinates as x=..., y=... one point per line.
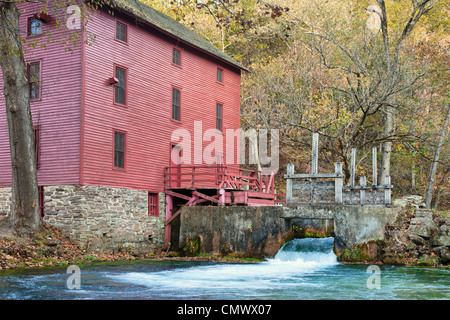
x=214, y=185
x=216, y=177
x=233, y=185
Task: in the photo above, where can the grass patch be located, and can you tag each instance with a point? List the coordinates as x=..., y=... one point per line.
x=444, y=213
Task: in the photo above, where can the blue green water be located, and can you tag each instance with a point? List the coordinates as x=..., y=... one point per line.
x=304, y=269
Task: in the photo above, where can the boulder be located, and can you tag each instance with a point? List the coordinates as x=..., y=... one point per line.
x=422, y=226
x=442, y=236
x=394, y=258
x=369, y=252
x=423, y=213
x=416, y=239
x=409, y=201
x=445, y=255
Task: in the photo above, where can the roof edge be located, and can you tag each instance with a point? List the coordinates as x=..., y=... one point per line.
x=170, y=27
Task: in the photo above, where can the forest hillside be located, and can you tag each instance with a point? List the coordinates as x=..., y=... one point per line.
x=362, y=74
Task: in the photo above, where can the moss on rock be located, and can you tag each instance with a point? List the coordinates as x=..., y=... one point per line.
x=369, y=252
x=311, y=232
x=192, y=247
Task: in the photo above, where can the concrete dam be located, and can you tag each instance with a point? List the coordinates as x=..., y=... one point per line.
x=261, y=231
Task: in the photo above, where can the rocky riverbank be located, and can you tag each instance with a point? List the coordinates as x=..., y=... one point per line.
x=50, y=248
x=418, y=237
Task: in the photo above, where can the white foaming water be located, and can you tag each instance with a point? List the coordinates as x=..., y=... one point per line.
x=307, y=252
x=295, y=260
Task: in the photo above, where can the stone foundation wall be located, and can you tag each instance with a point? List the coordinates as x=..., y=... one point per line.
x=5, y=200
x=239, y=230
x=102, y=218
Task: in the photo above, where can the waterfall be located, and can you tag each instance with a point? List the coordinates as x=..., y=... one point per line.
x=307, y=251
x=293, y=267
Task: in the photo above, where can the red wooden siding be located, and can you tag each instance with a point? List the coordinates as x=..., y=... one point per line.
x=56, y=112
x=77, y=116
x=147, y=116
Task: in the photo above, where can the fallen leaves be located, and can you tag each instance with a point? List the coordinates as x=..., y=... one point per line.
x=49, y=247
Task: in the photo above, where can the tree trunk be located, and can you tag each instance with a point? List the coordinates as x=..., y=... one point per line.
x=437, y=152
x=23, y=217
x=387, y=146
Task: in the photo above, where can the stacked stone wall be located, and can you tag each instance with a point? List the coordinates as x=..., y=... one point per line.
x=101, y=218
x=5, y=201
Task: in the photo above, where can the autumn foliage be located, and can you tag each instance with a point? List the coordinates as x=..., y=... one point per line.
x=363, y=74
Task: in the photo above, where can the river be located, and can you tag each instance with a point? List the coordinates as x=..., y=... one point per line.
x=304, y=269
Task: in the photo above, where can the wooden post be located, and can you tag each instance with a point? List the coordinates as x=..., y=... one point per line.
x=260, y=182
x=353, y=167
x=338, y=182
x=313, y=190
x=352, y=173
x=374, y=165
x=315, y=153
x=387, y=191
x=194, y=199
x=169, y=208
x=314, y=164
x=289, y=171
x=362, y=191
x=270, y=184
x=221, y=197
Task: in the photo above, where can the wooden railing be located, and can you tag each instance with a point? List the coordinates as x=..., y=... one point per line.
x=318, y=187
x=217, y=176
x=280, y=198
